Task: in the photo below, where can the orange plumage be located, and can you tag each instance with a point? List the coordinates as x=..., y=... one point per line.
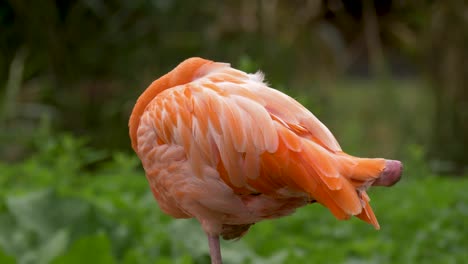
x=219, y=145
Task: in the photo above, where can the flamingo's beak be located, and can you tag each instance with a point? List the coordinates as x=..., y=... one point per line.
x=391, y=174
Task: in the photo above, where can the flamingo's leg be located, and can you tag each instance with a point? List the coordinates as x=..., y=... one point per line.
x=215, y=250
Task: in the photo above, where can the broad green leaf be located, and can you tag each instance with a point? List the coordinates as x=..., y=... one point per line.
x=53, y=247
x=44, y=212
x=184, y=259
x=6, y=259
x=134, y=257
x=164, y=260
x=88, y=249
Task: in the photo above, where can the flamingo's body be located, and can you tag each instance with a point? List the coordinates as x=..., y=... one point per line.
x=219, y=145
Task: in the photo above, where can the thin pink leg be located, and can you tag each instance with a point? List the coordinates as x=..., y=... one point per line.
x=215, y=250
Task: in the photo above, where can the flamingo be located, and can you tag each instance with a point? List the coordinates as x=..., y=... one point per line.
x=219, y=145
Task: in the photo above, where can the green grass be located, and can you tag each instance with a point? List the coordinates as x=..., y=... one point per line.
x=59, y=207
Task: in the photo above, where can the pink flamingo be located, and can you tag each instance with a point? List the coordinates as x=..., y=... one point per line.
x=219, y=145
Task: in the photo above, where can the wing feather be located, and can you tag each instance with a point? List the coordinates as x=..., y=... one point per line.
x=258, y=139
x=294, y=114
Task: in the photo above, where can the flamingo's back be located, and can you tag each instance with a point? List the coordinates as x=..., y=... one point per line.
x=220, y=145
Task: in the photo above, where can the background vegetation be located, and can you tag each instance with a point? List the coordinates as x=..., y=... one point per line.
x=388, y=78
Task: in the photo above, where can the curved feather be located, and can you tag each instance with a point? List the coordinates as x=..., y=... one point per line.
x=233, y=128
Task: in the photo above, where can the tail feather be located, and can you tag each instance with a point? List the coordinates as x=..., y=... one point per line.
x=367, y=213
x=336, y=180
x=359, y=169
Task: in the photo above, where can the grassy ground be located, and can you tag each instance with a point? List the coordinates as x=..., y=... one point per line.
x=53, y=212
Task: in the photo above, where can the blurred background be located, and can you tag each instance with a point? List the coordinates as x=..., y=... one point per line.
x=389, y=78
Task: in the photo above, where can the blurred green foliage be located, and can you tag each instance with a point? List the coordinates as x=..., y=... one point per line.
x=108, y=215
x=82, y=64
x=365, y=68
